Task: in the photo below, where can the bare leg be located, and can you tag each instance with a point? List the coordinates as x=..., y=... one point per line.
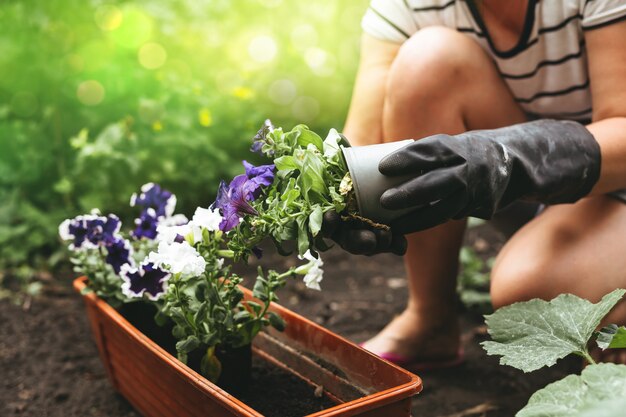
x=440, y=82
x=570, y=248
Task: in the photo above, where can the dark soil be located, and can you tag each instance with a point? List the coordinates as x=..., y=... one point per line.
x=49, y=365
x=273, y=391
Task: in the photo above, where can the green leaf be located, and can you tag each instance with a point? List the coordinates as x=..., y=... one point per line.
x=587, y=393
x=609, y=408
x=258, y=291
x=187, y=345
x=611, y=337
x=241, y=316
x=307, y=136
x=256, y=307
x=178, y=332
x=303, y=238
x=286, y=162
x=312, y=177
x=536, y=333
x=161, y=319
x=276, y=321
x=315, y=220
x=291, y=194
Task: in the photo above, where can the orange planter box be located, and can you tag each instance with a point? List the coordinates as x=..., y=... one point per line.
x=159, y=385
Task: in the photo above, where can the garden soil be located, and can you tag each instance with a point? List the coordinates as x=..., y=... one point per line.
x=49, y=365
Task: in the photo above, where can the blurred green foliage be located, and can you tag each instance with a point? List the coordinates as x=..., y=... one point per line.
x=99, y=97
x=473, y=281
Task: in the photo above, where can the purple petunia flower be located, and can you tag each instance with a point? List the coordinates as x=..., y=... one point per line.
x=152, y=196
x=232, y=200
x=263, y=175
x=146, y=225
x=103, y=229
x=118, y=254
x=147, y=279
x=256, y=147
x=91, y=230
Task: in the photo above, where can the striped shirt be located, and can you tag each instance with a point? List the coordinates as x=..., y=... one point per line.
x=546, y=71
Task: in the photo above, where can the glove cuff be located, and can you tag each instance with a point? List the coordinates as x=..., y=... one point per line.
x=569, y=162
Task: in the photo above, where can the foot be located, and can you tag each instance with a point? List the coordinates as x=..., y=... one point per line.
x=412, y=337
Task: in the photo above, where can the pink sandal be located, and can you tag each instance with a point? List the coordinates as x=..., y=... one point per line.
x=414, y=365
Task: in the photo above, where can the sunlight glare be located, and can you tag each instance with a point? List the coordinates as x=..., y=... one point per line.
x=262, y=48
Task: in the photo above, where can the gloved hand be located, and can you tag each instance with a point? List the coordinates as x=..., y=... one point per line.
x=360, y=238
x=479, y=172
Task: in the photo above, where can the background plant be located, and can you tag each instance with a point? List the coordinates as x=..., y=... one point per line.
x=99, y=97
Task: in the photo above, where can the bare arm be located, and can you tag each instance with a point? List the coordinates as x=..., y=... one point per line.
x=606, y=47
x=364, y=123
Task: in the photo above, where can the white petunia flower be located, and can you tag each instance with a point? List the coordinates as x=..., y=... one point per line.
x=178, y=258
x=207, y=218
x=175, y=220
x=219, y=263
x=170, y=206
x=64, y=230
x=313, y=273
x=169, y=234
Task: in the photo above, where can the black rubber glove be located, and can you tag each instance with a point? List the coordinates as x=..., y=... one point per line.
x=360, y=238
x=479, y=172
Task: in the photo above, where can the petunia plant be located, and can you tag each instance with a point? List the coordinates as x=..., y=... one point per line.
x=311, y=178
x=185, y=267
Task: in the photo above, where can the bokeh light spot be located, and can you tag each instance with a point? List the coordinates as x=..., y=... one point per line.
x=305, y=108
x=152, y=55
x=262, y=48
x=136, y=29
x=24, y=104
x=304, y=36
x=205, y=118
x=90, y=93
x=320, y=61
x=108, y=17
x=75, y=62
x=282, y=91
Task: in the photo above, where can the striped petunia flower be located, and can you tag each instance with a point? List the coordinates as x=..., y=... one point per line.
x=148, y=280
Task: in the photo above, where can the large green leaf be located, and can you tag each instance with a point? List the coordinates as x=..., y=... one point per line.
x=536, y=333
x=589, y=394
x=307, y=137
x=315, y=220
x=611, y=408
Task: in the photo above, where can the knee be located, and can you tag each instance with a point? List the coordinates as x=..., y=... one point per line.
x=518, y=278
x=434, y=62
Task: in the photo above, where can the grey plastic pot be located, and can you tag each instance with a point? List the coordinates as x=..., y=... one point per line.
x=368, y=183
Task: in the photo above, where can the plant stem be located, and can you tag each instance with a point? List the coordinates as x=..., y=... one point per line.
x=585, y=354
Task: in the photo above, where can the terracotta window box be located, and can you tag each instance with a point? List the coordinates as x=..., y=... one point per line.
x=157, y=384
